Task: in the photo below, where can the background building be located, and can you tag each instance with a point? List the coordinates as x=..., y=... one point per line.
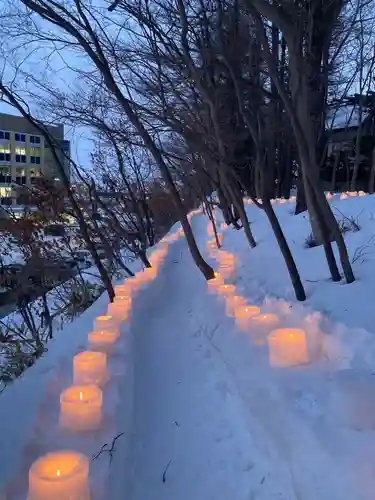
x=25, y=155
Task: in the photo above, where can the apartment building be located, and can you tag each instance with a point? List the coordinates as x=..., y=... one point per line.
x=25, y=156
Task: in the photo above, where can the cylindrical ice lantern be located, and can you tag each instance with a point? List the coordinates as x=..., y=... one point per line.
x=261, y=325
x=118, y=310
x=90, y=367
x=214, y=284
x=122, y=290
x=102, y=341
x=243, y=315
x=233, y=302
x=62, y=475
x=226, y=290
x=81, y=408
x=107, y=323
x=287, y=347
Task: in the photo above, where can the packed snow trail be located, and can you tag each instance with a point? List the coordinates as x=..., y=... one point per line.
x=212, y=420
x=191, y=439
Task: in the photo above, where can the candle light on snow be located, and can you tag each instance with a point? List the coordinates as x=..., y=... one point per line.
x=118, y=310
x=233, y=302
x=243, y=315
x=81, y=408
x=106, y=323
x=123, y=290
x=214, y=283
x=261, y=326
x=287, y=347
x=226, y=289
x=102, y=340
x=90, y=367
x=61, y=475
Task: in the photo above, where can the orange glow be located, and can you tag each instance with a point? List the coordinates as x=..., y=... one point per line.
x=233, y=302
x=119, y=310
x=81, y=408
x=287, y=347
x=361, y=193
x=261, y=326
x=90, y=368
x=243, y=315
x=343, y=196
x=106, y=323
x=102, y=341
x=226, y=290
x=123, y=299
x=214, y=284
x=59, y=476
x=122, y=290
x=210, y=229
x=352, y=193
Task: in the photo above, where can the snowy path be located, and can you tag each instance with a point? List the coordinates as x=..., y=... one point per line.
x=219, y=422
x=187, y=414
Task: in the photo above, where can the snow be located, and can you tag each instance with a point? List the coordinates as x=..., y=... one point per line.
x=201, y=412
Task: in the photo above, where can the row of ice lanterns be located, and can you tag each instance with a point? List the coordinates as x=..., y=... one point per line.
x=286, y=346
x=63, y=475
x=329, y=196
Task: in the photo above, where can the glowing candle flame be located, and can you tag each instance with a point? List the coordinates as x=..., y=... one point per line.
x=81, y=395
x=58, y=473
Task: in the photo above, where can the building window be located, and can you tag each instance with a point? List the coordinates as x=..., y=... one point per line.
x=35, y=156
x=5, y=195
x=35, y=139
x=20, y=155
x=4, y=135
x=34, y=174
x=5, y=175
x=4, y=153
x=20, y=176
x=20, y=137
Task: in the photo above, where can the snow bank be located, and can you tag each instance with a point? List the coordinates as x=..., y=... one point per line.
x=29, y=407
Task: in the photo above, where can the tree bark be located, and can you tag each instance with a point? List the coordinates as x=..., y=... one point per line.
x=285, y=250
x=334, y=170
x=371, y=183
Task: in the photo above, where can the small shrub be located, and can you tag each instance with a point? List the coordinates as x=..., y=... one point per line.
x=349, y=225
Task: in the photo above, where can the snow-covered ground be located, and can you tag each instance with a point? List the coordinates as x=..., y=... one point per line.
x=205, y=414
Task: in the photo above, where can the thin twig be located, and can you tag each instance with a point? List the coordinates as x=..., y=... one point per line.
x=110, y=450
x=164, y=476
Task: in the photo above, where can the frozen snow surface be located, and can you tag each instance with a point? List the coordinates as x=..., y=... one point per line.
x=202, y=411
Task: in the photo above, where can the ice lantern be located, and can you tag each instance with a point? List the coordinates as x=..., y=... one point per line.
x=90, y=367
x=61, y=475
x=243, y=315
x=287, y=347
x=261, y=326
x=81, y=408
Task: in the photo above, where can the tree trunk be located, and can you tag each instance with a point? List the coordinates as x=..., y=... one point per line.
x=326, y=240
x=334, y=170
x=212, y=219
x=285, y=250
x=331, y=222
x=239, y=204
x=301, y=198
x=144, y=259
x=371, y=183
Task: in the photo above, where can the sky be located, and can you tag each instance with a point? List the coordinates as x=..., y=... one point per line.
x=35, y=59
